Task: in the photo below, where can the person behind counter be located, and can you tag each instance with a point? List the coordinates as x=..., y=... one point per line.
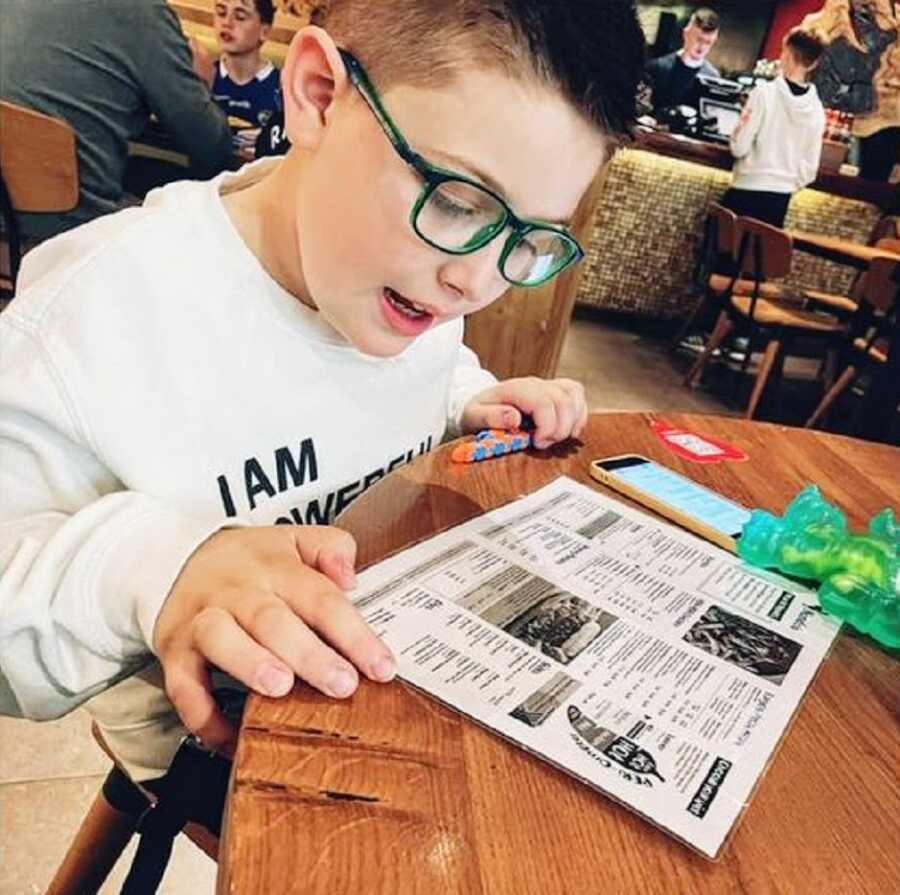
x=777, y=143
x=673, y=78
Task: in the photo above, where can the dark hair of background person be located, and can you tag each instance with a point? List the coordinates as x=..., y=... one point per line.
x=705, y=19
x=806, y=47
x=266, y=10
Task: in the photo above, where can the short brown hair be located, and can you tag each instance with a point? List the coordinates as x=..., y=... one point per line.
x=806, y=46
x=705, y=19
x=592, y=51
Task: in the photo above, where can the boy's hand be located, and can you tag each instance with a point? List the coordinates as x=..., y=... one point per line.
x=557, y=407
x=264, y=605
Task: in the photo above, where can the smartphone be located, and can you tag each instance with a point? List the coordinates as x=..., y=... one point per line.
x=674, y=496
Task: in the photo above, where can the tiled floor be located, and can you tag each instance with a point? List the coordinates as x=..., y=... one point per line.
x=50, y=773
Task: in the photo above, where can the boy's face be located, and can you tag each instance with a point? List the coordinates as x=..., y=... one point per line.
x=359, y=256
x=239, y=28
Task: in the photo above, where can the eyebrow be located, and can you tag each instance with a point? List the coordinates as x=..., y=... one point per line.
x=489, y=181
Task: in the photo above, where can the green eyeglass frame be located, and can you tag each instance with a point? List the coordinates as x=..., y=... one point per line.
x=434, y=176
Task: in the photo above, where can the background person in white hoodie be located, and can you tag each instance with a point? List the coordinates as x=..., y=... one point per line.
x=777, y=144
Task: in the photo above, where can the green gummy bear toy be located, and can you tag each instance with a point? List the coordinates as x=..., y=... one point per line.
x=858, y=573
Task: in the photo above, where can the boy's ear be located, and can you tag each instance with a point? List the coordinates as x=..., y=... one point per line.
x=264, y=30
x=312, y=78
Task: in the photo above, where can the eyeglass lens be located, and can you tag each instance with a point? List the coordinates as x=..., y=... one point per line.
x=459, y=217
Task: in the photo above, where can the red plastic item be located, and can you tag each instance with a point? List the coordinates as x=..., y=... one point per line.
x=698, y=448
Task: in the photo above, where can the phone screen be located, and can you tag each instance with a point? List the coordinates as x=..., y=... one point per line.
x=668, y=486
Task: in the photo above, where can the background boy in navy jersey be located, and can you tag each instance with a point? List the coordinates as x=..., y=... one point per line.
x=245, y=85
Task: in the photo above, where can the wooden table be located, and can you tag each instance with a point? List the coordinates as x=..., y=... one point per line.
x=834, y=248
x=389, y=792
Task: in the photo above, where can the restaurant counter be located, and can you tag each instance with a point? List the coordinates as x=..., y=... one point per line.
x=649, y=223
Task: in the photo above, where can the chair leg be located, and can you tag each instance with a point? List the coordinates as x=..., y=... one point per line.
x=688, y=325
x=829, y=367
x=720, y=332
x=99, y=842
x=748, y=354
x=769, y=363
x=831, y=396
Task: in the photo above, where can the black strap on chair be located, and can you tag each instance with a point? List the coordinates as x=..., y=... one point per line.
x=193, y=789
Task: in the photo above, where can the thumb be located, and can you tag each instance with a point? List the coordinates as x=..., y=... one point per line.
x=497, y=416
x=331, y=551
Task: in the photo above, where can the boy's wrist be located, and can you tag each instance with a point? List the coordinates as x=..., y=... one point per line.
x=145, y=562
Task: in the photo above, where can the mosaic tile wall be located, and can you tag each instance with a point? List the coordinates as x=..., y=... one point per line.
x=649, y=224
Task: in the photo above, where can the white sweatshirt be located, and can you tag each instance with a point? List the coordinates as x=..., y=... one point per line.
x=155, y=385
x=778, y=144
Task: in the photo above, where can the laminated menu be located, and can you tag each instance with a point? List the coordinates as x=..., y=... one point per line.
x=653, y=666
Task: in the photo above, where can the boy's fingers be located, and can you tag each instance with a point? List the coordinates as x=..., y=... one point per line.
x=188, y=689
x=223, y=643
x=335, y=619
x=544, y=415
x=330, y=550
x=339, y=568
x=273, y=624
x=570, y=419
x=499, y=416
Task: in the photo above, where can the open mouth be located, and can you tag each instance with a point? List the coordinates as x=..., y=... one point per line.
x=404, y=305
x=403, y=314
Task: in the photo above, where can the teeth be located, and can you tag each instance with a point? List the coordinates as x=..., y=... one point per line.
x=404, y=306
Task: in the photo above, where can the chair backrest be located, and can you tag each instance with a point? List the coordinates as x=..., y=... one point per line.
x=889, y=245
x=887, y=226
x=764, y=251
x=882, y=282
x=38, y=163
x=725, y=222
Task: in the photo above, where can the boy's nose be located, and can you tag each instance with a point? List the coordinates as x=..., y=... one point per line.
x=475, y=278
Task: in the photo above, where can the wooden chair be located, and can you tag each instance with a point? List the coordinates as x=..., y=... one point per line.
x=866, y=344
x=889, y=244
x=107, y=829
x=720, y=244
x=38, y=172
x=764, y=255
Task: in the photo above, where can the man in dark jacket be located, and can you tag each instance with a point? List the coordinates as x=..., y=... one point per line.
x=673, y=78
x=104, y=66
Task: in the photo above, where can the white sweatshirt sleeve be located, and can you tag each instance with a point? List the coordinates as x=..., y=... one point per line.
x=469, y=378
x=84, y=565
x=748, y=127
x=812, y=157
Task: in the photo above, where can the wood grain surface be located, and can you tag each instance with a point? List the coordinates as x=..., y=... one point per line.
x=389, y=792
x=37, y=157
x=833, y=248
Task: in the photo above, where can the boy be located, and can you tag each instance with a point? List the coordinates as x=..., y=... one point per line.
x=263, y=347
x=777, y=143
x=243, y=84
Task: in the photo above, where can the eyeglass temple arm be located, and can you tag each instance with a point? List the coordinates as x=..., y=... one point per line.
x=362, y=83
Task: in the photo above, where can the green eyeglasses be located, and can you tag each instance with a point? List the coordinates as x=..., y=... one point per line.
x=458, y=215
